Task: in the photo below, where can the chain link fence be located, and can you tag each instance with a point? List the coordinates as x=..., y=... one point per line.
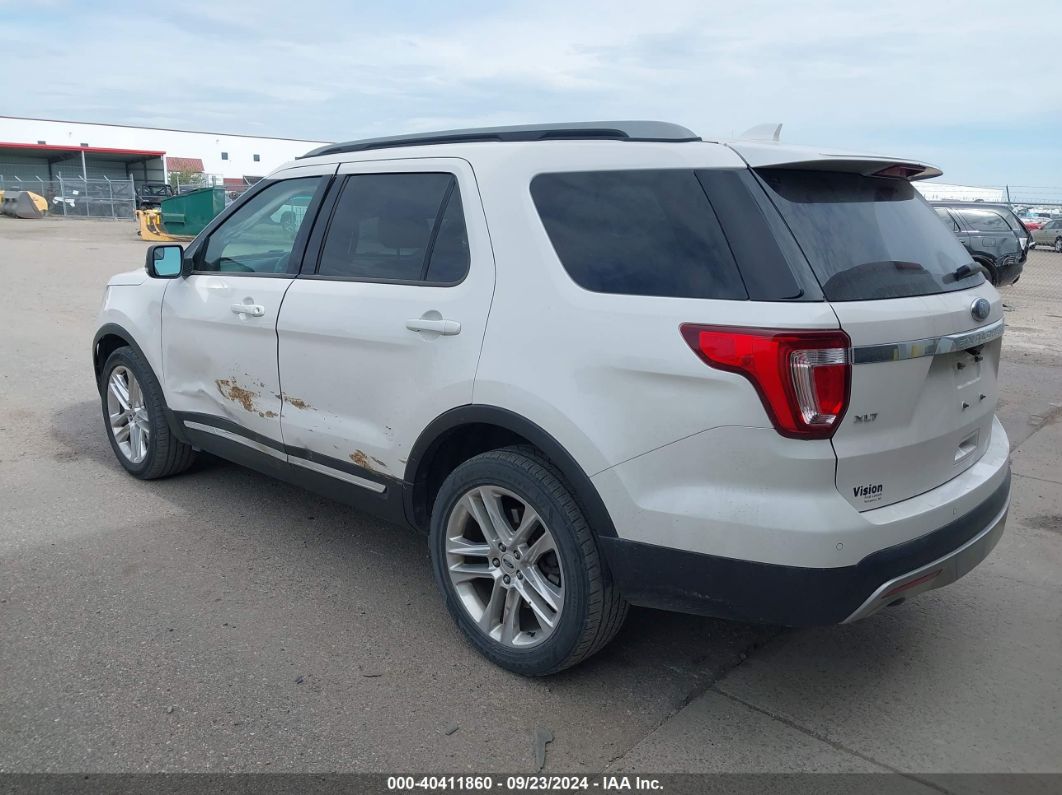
x=234, y=187
x=76, y=197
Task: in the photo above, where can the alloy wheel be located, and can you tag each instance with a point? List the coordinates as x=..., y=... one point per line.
x=1058, y=244
x=504, y=566
x=128, y=416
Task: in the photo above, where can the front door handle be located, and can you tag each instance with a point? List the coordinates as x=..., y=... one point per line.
x=445, y=327
x=254, y=310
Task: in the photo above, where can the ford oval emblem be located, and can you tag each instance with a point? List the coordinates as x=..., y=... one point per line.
x=980, y=308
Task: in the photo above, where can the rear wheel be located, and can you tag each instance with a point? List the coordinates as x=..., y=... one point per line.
x=135, y=419
x=518, y=565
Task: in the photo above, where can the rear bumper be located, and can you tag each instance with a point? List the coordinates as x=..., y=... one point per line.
x=692, y=582
x=1010, y=272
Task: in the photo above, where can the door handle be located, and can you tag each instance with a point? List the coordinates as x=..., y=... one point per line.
x=254, y=310
x=445, y=327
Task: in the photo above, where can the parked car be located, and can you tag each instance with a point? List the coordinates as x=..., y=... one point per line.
x=1050, y=234
x=1016, y=224
x=598, y=364
x=996, y=251
x=151, y=194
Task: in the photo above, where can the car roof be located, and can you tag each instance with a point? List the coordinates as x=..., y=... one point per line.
x=469, y=142
x=568, y=131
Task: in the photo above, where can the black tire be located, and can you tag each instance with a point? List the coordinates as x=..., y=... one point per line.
x=1058, y=244
x=166, y=455
x=593, y=610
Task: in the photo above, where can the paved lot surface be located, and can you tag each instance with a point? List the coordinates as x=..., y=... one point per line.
x=168, y=625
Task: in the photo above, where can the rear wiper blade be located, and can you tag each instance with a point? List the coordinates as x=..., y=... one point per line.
x=963, y=271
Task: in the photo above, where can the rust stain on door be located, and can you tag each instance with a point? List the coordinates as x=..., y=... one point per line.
x=230, y=390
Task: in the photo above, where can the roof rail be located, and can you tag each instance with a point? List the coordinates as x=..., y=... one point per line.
x=579, y=130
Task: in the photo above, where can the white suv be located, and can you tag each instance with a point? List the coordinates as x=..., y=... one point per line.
x=599, y=364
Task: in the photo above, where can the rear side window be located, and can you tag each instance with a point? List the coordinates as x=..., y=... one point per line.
x=984, y=221
x=397, y=227
x=647, y=232
x=869, y=237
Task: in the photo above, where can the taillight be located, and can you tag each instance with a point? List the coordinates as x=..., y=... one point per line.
x=802, y=377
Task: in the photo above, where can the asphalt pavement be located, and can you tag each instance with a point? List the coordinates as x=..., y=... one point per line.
x=221, y=621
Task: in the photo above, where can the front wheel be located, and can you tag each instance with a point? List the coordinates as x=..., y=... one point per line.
x=1058, y=244
x=518, y=565
x=135, y=419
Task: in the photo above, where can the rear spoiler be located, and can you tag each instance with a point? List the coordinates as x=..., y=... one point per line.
x=767, y=154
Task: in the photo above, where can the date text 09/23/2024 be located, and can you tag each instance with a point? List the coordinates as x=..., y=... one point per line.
x=523, y=783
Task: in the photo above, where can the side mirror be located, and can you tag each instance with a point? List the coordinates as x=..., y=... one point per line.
x=164, y=261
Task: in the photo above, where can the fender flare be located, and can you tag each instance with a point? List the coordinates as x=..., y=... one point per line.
x=112, y=330
x=434, y=434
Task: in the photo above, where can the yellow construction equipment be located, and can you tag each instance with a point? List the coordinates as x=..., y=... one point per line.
x=23, y=204
x=149, y=227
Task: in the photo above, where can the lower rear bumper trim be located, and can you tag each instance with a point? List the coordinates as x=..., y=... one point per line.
x=744, y=590
x=937, y=574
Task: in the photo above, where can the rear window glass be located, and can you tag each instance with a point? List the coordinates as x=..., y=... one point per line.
x=397, y=227
x=646, y=232
x=869, y=237
x=984, y=221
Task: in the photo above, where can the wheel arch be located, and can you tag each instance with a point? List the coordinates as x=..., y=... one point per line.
x=473, y=429
x=989, y=264
x=109, y=338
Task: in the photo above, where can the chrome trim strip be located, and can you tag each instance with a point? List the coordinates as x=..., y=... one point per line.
x=932, y=346
x=235, y=437
x=953, y=565
x=339, y=474
x=371, y=485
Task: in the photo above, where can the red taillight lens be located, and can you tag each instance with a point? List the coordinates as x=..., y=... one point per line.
x=803, y=377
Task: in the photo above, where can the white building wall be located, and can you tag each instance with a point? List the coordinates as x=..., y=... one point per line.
x=207, y=146
x=938, y=191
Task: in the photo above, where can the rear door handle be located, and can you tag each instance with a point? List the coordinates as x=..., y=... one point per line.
x=445, y=327
x=254, y=310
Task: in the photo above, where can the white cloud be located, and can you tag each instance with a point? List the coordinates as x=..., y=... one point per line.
x=836, y=72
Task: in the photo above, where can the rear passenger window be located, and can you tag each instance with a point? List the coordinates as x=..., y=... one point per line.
x=397, y=227
x=984, y=221
x=648, y=232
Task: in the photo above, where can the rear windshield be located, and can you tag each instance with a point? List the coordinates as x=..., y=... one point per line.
x=869, y=237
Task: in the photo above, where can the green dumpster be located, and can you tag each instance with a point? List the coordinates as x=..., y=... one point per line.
x=188, y=213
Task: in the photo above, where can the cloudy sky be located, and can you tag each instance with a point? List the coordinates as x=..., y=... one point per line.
x=974, y=87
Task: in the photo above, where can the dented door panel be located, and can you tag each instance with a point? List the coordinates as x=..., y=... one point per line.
x=360, y=376
x=219, y=362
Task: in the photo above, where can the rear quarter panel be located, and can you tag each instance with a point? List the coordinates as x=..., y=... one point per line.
x=609, y=376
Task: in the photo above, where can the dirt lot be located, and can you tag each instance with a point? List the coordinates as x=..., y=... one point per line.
x=222, y=621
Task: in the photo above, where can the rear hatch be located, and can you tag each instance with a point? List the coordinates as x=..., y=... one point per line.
x=925, y=360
